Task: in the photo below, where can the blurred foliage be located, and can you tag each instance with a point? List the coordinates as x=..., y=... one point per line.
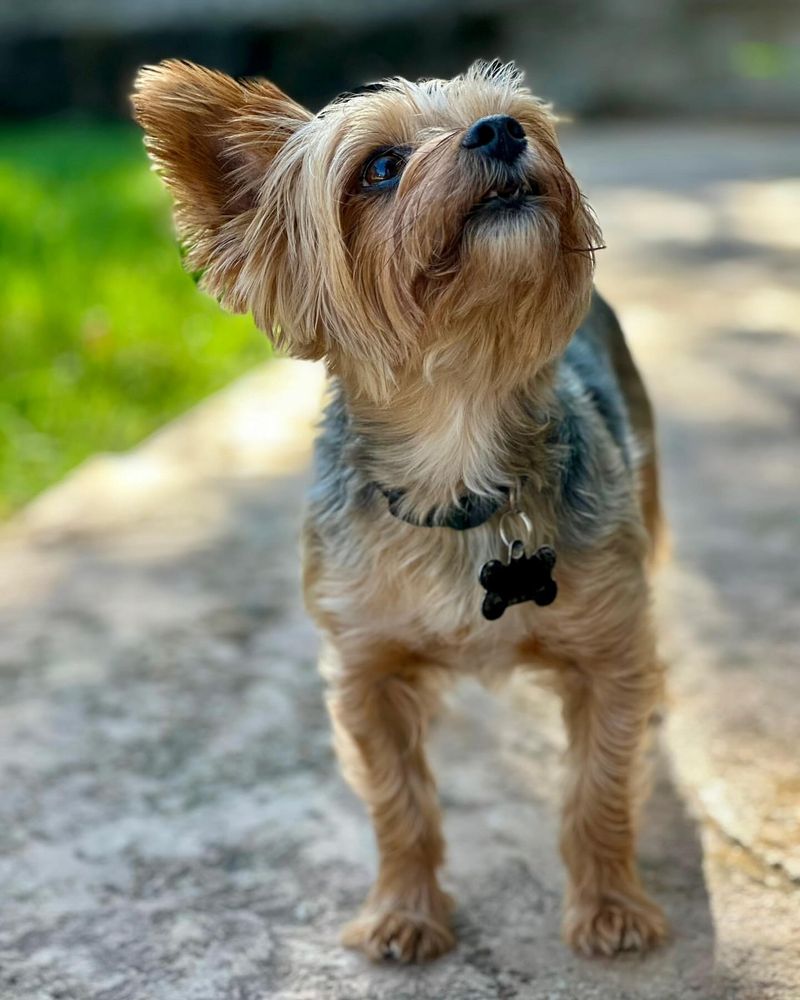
x=766, y=61
x=103, y=336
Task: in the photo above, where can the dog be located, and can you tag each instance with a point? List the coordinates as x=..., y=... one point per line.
x=485, y=494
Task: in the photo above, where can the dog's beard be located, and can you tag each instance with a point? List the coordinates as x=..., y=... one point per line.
x=477, y=271
x=448, y=213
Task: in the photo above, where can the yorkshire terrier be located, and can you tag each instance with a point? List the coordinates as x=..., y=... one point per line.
x=486, y=489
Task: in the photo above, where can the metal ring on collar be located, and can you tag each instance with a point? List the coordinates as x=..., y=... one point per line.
x=506, y=520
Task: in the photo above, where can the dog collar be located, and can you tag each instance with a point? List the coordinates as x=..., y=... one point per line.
x=471, y=511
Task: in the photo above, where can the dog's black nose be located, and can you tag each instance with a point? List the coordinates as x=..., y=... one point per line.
x=499, y=136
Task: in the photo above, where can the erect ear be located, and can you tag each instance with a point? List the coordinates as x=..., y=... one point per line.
x=212, y=139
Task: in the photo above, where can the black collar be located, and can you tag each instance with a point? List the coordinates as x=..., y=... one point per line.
x=470, y=512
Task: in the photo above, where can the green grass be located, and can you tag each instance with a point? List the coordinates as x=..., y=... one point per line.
x=103, y=336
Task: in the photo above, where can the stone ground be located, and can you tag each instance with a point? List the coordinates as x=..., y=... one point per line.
x=173, y=824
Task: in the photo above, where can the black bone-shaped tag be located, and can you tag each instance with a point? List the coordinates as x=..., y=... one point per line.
x=522, y=578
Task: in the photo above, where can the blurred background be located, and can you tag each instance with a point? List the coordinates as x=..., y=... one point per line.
x=102, y=337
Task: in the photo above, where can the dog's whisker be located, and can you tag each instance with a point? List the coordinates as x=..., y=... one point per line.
x=591, y=249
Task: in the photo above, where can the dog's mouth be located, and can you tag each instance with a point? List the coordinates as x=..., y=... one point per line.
x=509, y=195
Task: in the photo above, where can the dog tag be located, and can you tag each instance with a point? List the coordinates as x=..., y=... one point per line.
x=522, y=578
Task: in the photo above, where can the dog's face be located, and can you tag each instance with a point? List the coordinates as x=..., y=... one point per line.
x=406, y=229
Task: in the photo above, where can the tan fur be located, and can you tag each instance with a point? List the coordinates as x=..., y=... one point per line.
x=444, y=336
x=380, y=708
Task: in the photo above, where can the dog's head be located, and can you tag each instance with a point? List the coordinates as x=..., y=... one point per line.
x=407, y=228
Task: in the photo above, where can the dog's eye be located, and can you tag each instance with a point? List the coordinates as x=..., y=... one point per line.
x=383, y=170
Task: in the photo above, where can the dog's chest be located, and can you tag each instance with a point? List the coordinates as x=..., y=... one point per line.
x=424, y=583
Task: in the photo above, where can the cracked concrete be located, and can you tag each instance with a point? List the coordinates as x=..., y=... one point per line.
x=173, y=824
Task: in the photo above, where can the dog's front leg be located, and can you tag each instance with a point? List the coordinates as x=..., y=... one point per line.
x=606, y=709
x=380, y=705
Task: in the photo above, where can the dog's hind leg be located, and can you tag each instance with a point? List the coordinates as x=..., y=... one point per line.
x=380, y=704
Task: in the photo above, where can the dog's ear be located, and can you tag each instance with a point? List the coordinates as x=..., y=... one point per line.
x=212, y=139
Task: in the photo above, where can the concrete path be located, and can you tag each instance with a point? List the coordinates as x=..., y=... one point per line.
x=172, y=824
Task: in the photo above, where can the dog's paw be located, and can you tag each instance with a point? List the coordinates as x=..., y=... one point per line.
x=606, y=927
x=398, y=935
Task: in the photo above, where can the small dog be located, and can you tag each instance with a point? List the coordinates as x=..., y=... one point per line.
x=486, y=427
